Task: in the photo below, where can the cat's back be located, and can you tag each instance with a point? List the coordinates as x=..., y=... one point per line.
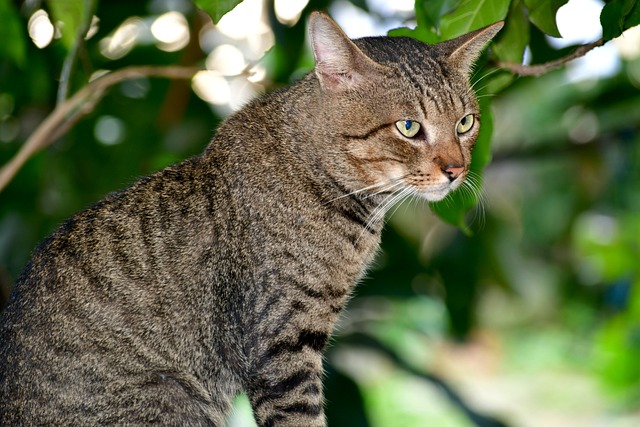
x=111, y=305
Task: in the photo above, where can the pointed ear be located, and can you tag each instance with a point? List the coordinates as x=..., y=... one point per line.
x=463, y=51
x=340, y=64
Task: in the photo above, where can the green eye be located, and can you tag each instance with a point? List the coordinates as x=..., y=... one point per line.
x=465, y=124
x=408, y=128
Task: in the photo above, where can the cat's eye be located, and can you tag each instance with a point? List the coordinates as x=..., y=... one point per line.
x=465, y=124
x=408, y=128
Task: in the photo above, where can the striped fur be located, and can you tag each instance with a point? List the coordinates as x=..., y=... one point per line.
x=227, y=272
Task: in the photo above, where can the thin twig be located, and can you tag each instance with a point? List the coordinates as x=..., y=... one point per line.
x=74, y=118
x=539, y=69
x=70, y=60
x=76, y=106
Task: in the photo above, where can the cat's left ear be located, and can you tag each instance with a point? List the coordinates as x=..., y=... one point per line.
x=340, y=64
x=463, y=51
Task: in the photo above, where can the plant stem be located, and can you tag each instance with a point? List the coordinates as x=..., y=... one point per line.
x=539, y=69
x=70, y=59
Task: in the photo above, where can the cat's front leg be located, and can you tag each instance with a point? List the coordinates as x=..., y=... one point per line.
x=287, y=388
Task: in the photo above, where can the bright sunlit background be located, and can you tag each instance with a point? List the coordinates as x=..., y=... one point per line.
x=236, y=45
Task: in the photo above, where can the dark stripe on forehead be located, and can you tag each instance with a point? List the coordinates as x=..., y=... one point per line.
x=426, y=71
x=435, y=78
x=423, y=107
x=453, y=102
x=412, y=76
x=434, y=99
x=423, y=81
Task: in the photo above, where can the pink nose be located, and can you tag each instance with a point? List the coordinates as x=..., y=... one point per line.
x=452, y=171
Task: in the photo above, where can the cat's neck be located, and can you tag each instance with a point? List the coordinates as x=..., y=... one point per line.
x=290, y=128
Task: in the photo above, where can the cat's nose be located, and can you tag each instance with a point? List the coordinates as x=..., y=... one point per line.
x=452, y=171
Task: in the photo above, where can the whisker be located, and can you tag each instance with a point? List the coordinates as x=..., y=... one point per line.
x=473, y=186
x=476, y=183
x=480, y=89
x=353, y=193
x=381, y=210
x=495, y=70
x=448, y=201
x=409, y=192
x=385, y=189
x=396, y=202
x=422, y=201
x=486, y=95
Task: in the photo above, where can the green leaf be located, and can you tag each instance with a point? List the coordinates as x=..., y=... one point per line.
x=514, y=38
x=543, y=14
x=454, y=208
x=422, y=33
x=217, y=8
x=482, y=150
x=471, y=15
x=498, y=82
x=430, y=12
x=617, y=16
x=12, y=34
x=69, y=13
x=633, y=18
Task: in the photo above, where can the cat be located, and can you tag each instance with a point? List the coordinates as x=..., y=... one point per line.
x=226, y=273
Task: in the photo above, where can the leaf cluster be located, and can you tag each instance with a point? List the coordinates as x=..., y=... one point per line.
x=526, y=24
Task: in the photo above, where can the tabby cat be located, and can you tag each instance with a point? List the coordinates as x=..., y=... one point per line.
x=227, y=272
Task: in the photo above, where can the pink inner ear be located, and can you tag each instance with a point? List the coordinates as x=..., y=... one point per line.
x=331, y=50
x=322, y=52
x=340, y=64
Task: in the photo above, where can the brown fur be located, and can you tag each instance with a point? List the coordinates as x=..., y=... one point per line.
x=227, y=272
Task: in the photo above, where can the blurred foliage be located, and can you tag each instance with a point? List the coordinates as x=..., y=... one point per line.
x=619, y=15
x=540, y=277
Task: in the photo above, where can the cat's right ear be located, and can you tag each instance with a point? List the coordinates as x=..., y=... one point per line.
x=462, y=52
x=340, y=64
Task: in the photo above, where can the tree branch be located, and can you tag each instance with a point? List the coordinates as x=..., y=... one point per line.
x=80, y=104
x=539, y=69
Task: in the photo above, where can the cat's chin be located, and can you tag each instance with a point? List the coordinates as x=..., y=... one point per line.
x=435, y=197
x=437, y=194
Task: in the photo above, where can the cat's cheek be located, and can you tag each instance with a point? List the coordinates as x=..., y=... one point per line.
x=387, y=173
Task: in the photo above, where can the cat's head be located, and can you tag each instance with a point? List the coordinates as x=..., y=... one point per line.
x=402, y=113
